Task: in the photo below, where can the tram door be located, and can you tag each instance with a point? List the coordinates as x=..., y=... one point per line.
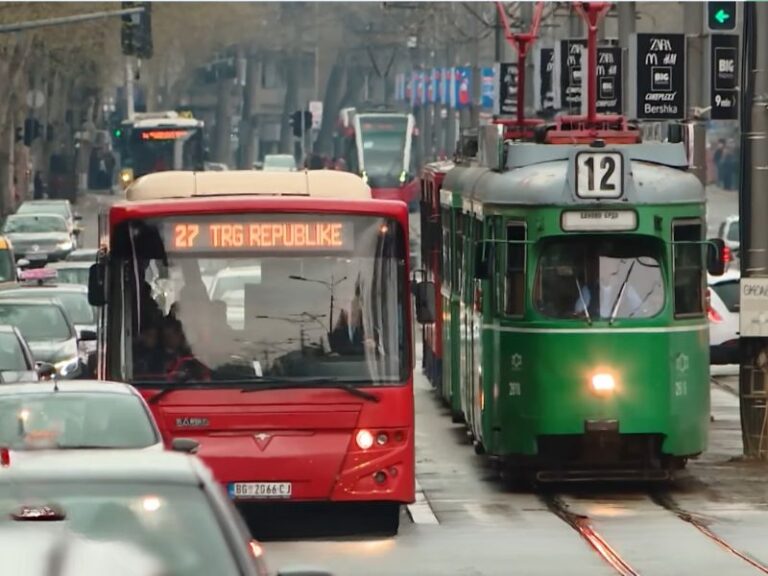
x=464, y=275
x=475, y=336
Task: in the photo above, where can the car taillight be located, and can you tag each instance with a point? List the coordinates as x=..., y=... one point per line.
x=5, y=457
x=727, y=255
x=711, y=312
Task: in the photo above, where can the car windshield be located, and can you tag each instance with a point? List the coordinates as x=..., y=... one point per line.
x=58, y=208
x=75, y=303
x=17, y=224
x=335, y=312
x=36, y=322
x=11, y=355
x=7, y=266
x=73, y=275
x=729, y=293
x=175, y=524
x=600, y=277
x=73, y=420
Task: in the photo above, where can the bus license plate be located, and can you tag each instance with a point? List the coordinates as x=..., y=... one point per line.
x=244, y=490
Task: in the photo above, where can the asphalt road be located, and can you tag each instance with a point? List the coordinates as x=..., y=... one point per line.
x=466, y=524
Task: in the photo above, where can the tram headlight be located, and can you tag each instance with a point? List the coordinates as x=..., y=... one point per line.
x=603, y=383
x=364, y=439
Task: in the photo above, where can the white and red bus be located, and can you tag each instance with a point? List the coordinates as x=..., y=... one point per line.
x=263, y=316
x=379, y=146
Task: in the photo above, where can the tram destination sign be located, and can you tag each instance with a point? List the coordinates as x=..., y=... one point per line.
x=238, y=233
x=657, y=76
x=723, y=76
x=598, y=220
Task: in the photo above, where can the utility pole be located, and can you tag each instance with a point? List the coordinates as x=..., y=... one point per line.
x=627, y=15
x=130, y=106
x=526, y=17
x=694, y=23
x=474, y=118
x=753, y=205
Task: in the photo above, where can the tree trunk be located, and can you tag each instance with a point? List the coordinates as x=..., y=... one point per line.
x=248, y=128
x=223, y=127
x=333, y=94
x=290, y=103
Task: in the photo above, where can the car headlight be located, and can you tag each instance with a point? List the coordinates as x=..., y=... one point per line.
x=67, y=367
x=64, y=245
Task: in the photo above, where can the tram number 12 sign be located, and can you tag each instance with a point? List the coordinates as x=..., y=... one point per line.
x=599, y=175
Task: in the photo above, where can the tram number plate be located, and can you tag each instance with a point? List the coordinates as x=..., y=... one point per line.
x=599, y=175
x=256, y=490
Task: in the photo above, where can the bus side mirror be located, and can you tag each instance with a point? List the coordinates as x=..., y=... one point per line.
x=425, y=302
x=481, y=264
x=417, y=276
x=715, y=256
x=97, y=295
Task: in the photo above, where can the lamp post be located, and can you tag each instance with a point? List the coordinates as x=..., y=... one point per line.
x=331, y=285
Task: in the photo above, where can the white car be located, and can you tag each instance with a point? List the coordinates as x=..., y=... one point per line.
x=723, y=313
x=75, y=415
x=279, y=163
x=229, y=286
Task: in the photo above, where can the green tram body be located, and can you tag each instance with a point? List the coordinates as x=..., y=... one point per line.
x=521, y=377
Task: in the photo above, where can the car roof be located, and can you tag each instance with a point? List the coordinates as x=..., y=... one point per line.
x=70, y=386
x=130, y=465
x=80, y=264
x=38, y=215
x=39, y=301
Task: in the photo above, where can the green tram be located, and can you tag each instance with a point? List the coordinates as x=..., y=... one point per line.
x=572, y=278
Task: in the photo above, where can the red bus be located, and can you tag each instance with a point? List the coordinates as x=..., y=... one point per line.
x=379, y=146
x=261, y=315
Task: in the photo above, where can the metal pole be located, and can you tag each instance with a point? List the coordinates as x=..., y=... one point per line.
x=34, y=24
x=129, y=104
x=753, y=205
x=303, y=136
x=695, y=85
x=627, y=16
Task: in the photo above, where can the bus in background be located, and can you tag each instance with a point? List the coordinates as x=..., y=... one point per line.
x=305, y=356
x=379, y=146
x=157, y=142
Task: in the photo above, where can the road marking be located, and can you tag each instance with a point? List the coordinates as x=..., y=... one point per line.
x=420, y=511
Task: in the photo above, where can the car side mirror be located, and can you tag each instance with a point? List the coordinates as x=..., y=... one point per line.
x=715, y=256
x=425, y=302
x=185, y=445
x=77, y=217
x=45, y=370
x=97, y=295
x=88, y=336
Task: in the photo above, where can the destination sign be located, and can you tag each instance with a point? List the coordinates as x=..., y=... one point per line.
x=599, y=221
x=164, y=134
x=220, y=234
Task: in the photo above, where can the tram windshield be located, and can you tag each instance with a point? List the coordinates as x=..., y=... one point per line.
x=600, y=278
x=384, y=141
x=250, y=299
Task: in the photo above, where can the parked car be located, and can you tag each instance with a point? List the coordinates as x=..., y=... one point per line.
x=38, y=238
x=49, y=332
x=76, y=415
x=723, y=311
x=166, y=504
x=729, y=233
x=17, y=363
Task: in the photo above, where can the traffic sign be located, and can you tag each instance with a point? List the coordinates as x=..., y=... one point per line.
x=316, y=108
x=657, y=76
x=609, y=75
x=721, y=16
x=544, y=66
x=724, y=76
x=570, y=79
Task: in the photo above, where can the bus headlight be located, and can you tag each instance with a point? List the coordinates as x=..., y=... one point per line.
x=603, y=383
x=364, y=439
x=126, y=176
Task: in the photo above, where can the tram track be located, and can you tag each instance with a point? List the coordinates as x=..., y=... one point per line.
x=586, y=527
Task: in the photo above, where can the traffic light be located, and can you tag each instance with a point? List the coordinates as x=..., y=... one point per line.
x=296, y=122
x=136, y=31
x=32, y=130
x=721, y=16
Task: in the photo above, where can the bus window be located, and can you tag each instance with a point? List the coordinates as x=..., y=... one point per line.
x=514, y=276
x=688, y=267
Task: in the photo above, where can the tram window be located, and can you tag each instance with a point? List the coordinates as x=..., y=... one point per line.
x=447, y=275
x=600, y=277
x=688, y=269
x=514, y=277
x=458, y=262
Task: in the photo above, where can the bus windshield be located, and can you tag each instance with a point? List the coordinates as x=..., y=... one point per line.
x=253, y=298
x=161, y=149
x=383, y=143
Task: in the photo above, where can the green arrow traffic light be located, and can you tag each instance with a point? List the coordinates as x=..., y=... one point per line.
x=721, y=16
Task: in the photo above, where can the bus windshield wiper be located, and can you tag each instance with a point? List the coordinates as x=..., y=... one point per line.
x=278, y=384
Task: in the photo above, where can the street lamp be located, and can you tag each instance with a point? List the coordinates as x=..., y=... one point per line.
x=330, y=285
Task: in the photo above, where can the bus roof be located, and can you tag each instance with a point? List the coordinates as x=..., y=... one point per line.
x=313, y=183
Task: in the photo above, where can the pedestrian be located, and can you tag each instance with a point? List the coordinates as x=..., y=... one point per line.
x=39, y=186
